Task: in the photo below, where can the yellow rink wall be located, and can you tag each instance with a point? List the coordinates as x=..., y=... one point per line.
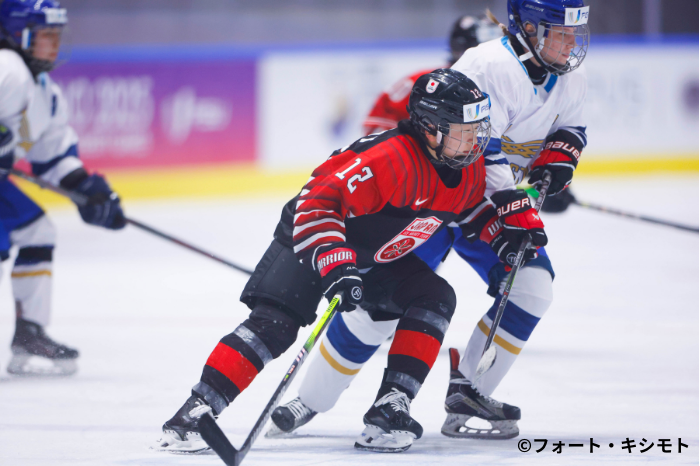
x=244, y=180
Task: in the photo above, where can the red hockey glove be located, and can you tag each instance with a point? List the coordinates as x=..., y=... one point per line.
x=339, y=276
x=515, y=218
x=560, y=157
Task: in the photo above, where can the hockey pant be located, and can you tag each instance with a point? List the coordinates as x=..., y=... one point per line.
x=24, y=225
x=404, y=295
x=352, y=339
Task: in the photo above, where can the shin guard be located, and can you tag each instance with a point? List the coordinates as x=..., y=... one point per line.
x=241, y=355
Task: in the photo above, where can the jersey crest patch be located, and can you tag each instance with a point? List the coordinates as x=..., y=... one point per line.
x=415, y=234
x=529, y=149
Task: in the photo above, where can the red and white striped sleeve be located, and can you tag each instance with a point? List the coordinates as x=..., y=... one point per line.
x=347, y=185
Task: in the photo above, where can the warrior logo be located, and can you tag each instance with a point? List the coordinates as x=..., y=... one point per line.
x=415, y=234
x=356, y=292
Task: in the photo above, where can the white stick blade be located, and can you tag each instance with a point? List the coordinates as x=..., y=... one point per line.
x=486, y=362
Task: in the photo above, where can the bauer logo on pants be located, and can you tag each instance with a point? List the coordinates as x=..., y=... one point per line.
x=415, y=234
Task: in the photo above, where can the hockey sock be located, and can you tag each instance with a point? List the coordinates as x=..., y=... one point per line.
x=351, y=339
x=241, y=355
x=416, y=345
x=530, y=298
x=31, y=283
x=32, y=274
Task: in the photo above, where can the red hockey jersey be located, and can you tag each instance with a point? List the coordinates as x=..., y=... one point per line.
x=380, y=196
x=390, y=107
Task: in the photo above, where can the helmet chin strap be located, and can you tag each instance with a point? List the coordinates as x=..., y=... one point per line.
x=527, y=55
x=439, y=148
x=26, y=38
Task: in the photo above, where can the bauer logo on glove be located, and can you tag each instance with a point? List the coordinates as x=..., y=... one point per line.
x=508, y=226
x=513, y=206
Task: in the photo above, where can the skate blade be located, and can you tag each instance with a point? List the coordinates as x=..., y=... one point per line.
x=455, y=427
x=379, y=441
x=276, y=433
x=26, y=365
x=171, y=443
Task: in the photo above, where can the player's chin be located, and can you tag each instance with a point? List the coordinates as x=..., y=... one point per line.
x=562, y=60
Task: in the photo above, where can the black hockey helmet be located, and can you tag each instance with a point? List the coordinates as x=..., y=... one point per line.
x=451, y=107
x=470, y=31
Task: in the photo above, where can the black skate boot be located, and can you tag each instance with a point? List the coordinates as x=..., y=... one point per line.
x=288, y=418
x=34, y=353
x=389, y=425
x=181, y=432
x=464, y=402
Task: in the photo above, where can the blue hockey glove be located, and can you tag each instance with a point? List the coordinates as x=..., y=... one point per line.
x=103, y=208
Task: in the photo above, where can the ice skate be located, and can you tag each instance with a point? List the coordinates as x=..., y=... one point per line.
x=181, y=432
x=35, y=354
x=389, y=425
x=288, y=418
x=464, y=402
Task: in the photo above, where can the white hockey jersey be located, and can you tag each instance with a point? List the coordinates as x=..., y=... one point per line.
x=522, y=114
x=36, y=113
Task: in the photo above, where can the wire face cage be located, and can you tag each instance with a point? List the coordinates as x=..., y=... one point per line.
x=463, y=143
x=563, y=48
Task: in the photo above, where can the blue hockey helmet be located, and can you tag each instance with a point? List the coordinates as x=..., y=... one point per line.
x=19, y=21
x=565, y=19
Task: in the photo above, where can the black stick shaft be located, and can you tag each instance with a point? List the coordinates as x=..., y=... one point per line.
x=518, y=263
x=81, y=200
x=189, y=246
x=644, y=218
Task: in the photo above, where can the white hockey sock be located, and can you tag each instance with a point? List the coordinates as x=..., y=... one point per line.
x=31, y=274
x=352, y=338
x=530, y=298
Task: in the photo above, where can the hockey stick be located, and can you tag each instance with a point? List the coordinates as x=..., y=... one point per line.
x=621, y=213
x=82, y=200
x=643, y=218
x=488, y=357
x=215, y=437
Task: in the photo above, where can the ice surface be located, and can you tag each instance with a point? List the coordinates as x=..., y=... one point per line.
x=615, y=357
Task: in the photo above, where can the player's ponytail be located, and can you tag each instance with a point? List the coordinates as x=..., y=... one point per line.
x=494, y=20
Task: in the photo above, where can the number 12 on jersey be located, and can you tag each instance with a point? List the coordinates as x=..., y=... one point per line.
x=356, y=177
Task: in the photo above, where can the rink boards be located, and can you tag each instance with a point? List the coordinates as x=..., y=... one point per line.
x=164, y=121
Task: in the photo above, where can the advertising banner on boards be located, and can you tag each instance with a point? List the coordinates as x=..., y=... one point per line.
x=161, y=114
